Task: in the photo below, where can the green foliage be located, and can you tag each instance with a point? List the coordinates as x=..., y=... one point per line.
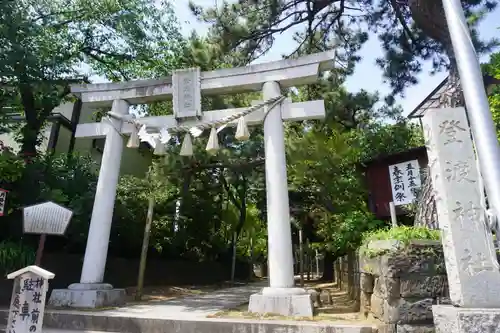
x=404, y=234
x=329, y=180
x=343, y=232
x=67, y=180
x=46, y=45
x=253, y=242
x=131, y=206
x=14, y=256
x=250, y=28
x=11, y=168
x=493, y=68
x=200, y=202
x=216, y=192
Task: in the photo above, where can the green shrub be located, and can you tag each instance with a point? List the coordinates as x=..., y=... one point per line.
x=403, y=233
x=14, y=256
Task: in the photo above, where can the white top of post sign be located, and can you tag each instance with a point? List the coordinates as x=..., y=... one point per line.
x=46, y=218
x=27, y=304
x=32, y=269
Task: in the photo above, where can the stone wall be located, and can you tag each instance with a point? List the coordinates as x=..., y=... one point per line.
x=399, y=284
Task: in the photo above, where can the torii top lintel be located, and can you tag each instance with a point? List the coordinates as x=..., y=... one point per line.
x=289, y=73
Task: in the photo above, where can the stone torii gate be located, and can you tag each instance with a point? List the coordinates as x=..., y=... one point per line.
x=281, y=296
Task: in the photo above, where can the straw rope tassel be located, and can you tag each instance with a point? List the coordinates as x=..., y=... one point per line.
x=242, y=133
x=213, y=142
x=139, y=135
x=159, y=148
x=187, y=146
x=134, y=141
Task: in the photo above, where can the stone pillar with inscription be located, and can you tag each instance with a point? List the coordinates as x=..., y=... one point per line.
x=471, y=264
x=28, y=299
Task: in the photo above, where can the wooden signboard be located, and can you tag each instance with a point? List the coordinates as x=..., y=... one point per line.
x=45, y=219
x=405, y=182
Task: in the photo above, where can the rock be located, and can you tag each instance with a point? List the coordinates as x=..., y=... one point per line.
x=427, y=286
x=370, y=265
x=365, y=302
x=416, y=259
x=377, y=307
x=406, y=311
x=415, y=328
x=387, y=287
x=325, y=297
x=366, y=282
x=443, y=300
x=386, y=328
x=315, y=297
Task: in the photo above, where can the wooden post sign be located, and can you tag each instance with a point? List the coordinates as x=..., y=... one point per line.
x=44, y=219
x=28, y=299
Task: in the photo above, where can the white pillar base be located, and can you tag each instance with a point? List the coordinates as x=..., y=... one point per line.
x=290, y=302
x=87, y=295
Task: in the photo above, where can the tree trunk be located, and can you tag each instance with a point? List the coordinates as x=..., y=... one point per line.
x=328, y=271
x=29, y=141
x=33, y=125
x=426, y=215
x=338, y=272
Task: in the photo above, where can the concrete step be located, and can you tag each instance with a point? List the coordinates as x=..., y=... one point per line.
x=51, y=330
x=127, y=322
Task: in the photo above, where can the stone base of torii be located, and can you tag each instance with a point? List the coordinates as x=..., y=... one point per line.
x=281, y=297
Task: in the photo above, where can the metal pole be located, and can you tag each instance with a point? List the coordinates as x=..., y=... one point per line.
x=478, y=110
x=233, y=259
x=308, y=260
x=317, y=264
x=251, y=258
x=301, y=257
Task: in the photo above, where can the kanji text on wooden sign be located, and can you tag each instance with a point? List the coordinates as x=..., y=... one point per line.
x=28, y=300
x=46, y=218
x=405, y=181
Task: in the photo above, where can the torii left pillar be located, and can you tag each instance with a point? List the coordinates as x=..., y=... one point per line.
x=91, y=292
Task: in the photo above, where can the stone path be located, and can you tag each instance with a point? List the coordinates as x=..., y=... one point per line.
x=53, y=330
x=184, y=314
x=193, y=306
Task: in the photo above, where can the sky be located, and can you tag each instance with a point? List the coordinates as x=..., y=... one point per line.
x=367, y=75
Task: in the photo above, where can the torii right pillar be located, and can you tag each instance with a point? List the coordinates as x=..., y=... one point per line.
x=281, y=297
